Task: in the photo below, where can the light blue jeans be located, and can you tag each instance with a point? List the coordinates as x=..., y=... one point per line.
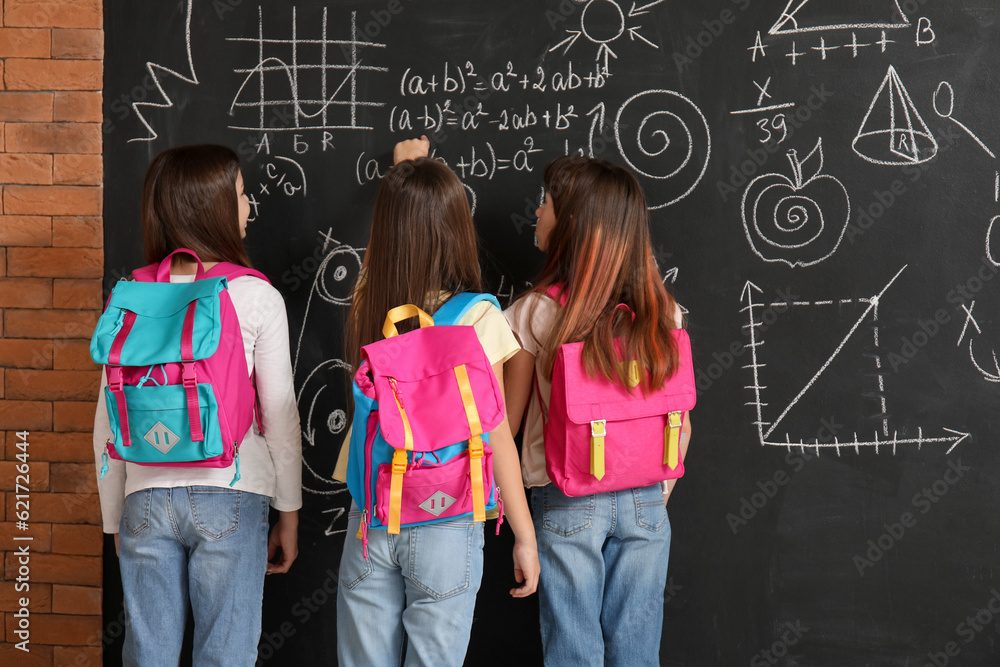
x=604, y=570
x=420, y=584
x=199, y=544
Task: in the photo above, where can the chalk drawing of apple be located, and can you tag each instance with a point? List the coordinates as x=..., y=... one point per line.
x=800, y=220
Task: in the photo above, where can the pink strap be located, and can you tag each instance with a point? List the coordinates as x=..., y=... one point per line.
x=115, y=385
x=232, y=271
x=163, y=272
x=188, y=376
x=115, y=354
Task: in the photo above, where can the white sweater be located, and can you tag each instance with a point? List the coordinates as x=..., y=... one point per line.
x=270, y=465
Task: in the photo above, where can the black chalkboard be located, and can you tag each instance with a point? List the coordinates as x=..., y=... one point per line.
x=823, y=183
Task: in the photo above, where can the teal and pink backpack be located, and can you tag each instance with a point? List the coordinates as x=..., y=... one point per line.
x=425, y=402
x=179, y=392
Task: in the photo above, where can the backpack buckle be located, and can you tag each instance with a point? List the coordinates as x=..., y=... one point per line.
x=115, y=382
x=598, y=428
x=188, y=377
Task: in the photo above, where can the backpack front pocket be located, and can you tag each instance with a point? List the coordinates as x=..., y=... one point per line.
x=159, y=426
x=434, y=491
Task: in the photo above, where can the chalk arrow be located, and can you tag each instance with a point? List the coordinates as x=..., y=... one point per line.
x=638, y=11
x=606, y=51
x=598, y=122
x=747, y=291
x=671, y=275
x=955, y=439
x=633, y=34
x=573, y=36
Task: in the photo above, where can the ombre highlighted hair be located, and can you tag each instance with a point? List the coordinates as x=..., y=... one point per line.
x=600, y=254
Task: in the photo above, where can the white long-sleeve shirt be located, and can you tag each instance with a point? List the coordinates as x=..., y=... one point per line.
x=270, y=465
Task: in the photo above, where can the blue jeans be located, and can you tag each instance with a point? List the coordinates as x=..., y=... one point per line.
x=604, y=569
x=201, y=545
x=421, y=584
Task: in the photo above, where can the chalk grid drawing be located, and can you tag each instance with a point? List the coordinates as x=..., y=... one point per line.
x=800, y=222
x=892, y=131
x=156, y=70
x=801, y=16
x=305, y=65
x=767, y=426
x=602, y=22
x=668, y=139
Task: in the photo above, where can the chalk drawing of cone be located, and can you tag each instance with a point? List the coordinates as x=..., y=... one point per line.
x=892, y=131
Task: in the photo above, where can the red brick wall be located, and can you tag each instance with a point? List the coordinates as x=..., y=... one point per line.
x=51, y=266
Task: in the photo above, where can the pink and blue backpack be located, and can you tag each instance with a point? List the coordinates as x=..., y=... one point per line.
x=425, y=402
x=179, y=392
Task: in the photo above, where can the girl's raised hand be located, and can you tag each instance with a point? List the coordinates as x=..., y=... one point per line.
x=411, y=149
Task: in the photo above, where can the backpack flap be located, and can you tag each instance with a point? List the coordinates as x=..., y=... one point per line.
x=427, y=373
x=609, y=434
x=153, y=317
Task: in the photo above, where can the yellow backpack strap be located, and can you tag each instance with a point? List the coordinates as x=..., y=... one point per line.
x=400, y=313
x=475, y=443
x=672, y=440
x=598, y=429
x=398, y=466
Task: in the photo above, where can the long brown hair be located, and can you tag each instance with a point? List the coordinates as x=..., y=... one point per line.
x=189, y=201
x=422, y=242
x=600, y=252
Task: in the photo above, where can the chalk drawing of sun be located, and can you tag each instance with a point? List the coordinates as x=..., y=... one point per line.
x=601, y=23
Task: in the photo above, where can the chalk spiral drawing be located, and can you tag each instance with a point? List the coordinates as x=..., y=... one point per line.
x=797, y=17
x=766, y=428
x=601, y=23
x=335, y=278
x=668, y=139
x=892, y=132
x=154, y=69
x=799, y=221
x=949, y=94
x=332, y=105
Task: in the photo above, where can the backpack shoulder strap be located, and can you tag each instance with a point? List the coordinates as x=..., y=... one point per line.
x=145, y=274
x=457, y=306
x=233, y=271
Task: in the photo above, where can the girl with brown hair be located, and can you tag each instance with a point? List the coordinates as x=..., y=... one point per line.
x=422, y=251
x=195, y=536
x=604, y=556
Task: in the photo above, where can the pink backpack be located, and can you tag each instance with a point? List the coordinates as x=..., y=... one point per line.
x=179, y=392
x=601, y=436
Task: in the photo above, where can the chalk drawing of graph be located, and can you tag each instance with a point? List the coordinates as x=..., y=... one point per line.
x=813, y=16
x=304, y=82
x=771, y=410
x=892, y=131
